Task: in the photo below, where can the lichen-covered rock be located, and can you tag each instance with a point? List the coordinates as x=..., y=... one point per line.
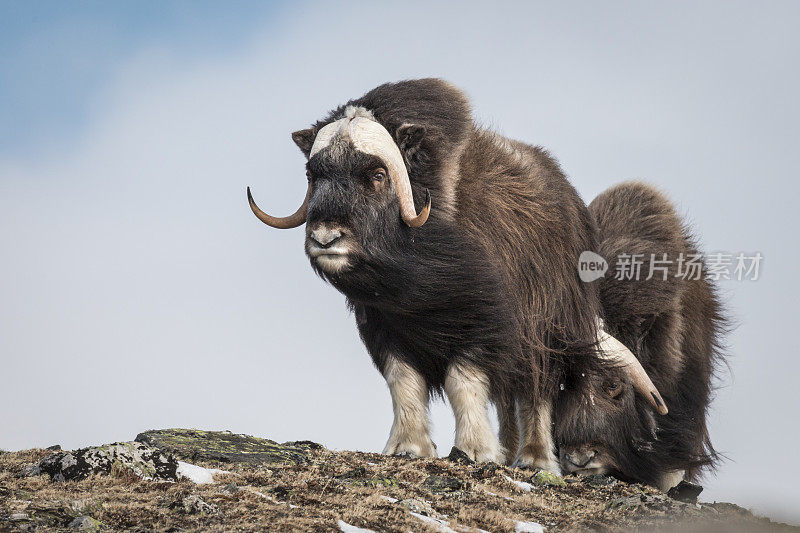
x=85, y=523
x=419, y=507
x=658, y=502
x=135, y=457
x=194, y=504
x=226, y=447
x=85, y=507
x=442, y=484
x=49, y=515
x=30, y=471
x=543, y=478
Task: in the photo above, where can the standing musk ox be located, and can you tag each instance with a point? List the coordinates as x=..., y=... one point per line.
x=477, y=294
x=673, y=324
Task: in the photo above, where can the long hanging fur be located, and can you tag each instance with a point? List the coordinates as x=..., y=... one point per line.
x=673, y=326
x=491, y=278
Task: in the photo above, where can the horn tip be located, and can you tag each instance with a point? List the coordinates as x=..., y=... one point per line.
x=426, y=210
x=660, y=406
x=422, y=217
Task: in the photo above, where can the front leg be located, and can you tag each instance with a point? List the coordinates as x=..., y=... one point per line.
x=537, y=447
x=411, y=429
x=467, y=389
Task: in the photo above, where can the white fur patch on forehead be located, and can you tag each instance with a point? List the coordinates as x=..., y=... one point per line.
x=367, y=135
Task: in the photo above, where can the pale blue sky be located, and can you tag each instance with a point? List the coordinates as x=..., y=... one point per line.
x=139, y=292
x=56, y=56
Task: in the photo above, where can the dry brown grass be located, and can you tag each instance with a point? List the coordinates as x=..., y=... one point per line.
x=312, y=497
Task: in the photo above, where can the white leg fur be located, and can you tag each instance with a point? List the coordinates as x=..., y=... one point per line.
x=411, y=429
x=536, y=449
x=467, y=388
x=670, y=479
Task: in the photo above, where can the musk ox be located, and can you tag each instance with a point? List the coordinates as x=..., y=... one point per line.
x=477, y=293
x=672, y=322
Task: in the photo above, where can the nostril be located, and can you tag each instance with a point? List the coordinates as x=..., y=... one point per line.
x=325, y=237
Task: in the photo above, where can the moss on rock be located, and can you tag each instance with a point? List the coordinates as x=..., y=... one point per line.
x=134, y=457
x=547, y=479
x=226, y=447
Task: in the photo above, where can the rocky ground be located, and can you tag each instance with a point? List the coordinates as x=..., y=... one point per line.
x=190, y=480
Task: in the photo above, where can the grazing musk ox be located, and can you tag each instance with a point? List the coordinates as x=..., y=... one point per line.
x=477, y=294
x=673, y=325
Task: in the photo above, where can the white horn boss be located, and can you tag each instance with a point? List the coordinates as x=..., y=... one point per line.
x=368, y=136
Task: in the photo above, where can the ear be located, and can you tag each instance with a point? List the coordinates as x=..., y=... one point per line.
x=409, y=137
x=304, y=139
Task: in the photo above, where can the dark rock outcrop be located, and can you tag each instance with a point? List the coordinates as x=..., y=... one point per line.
x=442, y=484
x=685, y=492
x=139, y=459
x=226, y=447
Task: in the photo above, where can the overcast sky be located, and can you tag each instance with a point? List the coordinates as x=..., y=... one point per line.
x=138, y=291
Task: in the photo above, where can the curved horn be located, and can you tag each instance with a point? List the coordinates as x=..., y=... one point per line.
x=292, y=221
x=371, y=137
x=612, y=349
x=407, y=210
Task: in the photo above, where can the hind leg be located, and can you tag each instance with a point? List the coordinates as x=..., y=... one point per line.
x=509, y=427
x=536, y=446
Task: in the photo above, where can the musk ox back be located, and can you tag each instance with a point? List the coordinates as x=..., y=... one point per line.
x=456, y=248
x=672, y=322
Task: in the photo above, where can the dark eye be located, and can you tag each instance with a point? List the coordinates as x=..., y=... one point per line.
x=613, y=388
x=379, y=175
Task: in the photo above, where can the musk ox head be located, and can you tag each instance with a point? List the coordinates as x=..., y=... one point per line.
x=359, y=196
x=606, y=416
x=603, y=426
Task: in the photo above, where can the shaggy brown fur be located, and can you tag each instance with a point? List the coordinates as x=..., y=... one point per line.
x=490, y=280
x=673, y=326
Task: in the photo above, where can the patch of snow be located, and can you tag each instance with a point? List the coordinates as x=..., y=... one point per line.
x=528, y=527
x=522, y=485
x=347, y=528
x=198, y=474
x=390, y=499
